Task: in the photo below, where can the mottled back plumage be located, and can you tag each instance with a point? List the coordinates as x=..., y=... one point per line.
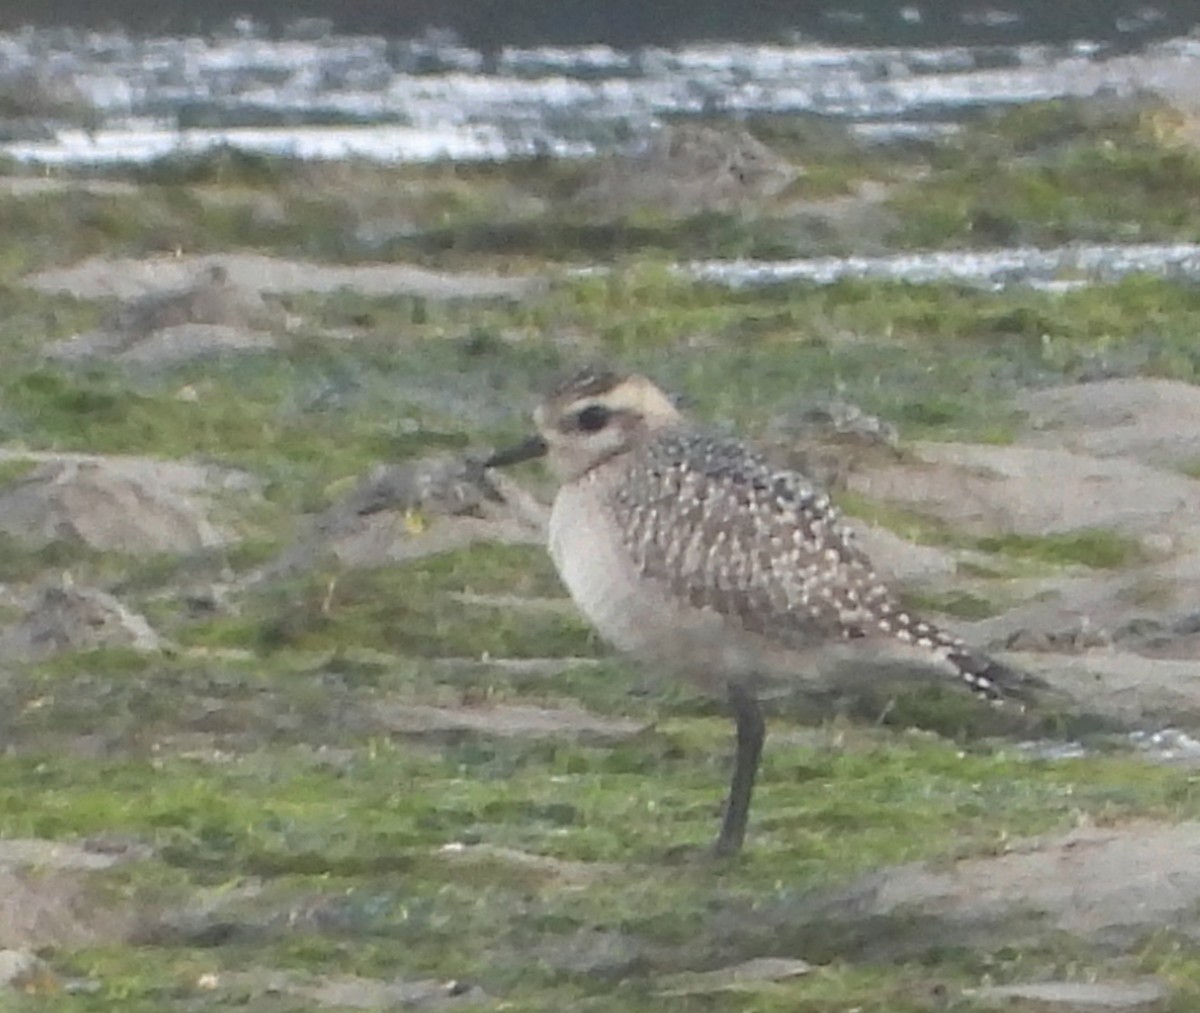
x=721, y=528
x=725, y=531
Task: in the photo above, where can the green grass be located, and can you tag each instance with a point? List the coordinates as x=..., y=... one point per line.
x=960, y=604
x=938, y=360
x=405, y=609
x=1096, y=548
x=1053, y=173
x=356, y=845
x=1047, y=173
x=311, y=413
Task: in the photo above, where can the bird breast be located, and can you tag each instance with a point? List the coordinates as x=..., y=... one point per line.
x=636, y=614
x=599, y=574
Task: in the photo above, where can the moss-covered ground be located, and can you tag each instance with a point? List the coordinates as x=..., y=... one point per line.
x=290, y=830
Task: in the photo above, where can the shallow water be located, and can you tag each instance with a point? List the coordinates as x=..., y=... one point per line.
x=411, y=101
x=1167, y=745
x=366, y=97
x=1058, y=269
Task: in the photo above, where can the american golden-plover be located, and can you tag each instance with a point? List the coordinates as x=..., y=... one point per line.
x=692, y=553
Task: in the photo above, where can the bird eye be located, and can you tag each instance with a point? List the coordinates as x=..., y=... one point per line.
x=593, y=418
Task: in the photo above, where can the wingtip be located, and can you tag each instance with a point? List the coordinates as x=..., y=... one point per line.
x=996, y=680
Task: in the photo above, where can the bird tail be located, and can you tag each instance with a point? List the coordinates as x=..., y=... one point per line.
x=983, y=674
x=994, y=679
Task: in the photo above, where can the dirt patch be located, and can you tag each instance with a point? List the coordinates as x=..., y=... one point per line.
x=51, y=899
x=1133, y=690
x=540, y=868
x=987, y=490
x=1107, y=887
x=826, y=442
x=37, y=186
x=349, y=991
x=744, y=977
x=1075, y=996
x=686, y=169
x=169, y=346
x=120, y=504
x=211, y=315
x=505, y=721
x=406, y=511
x=126, y=278
x=1149, y=610
x=1153, y=421
x=66, y=617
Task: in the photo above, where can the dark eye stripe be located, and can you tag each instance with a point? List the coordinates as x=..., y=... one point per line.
x=592, y=418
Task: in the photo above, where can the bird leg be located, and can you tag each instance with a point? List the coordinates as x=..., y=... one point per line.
x=751, y=728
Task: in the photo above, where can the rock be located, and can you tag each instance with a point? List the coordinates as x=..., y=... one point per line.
x=684, y=170
x=69, y=618
x=1125, y=688
x=351, y=991
x=213, y=298
x=49, y=899
x=989, y=490
x=1169, y=638
x=58, y=855
x=136, y=505
x=57, y=910
x=471, y=669
x=505, y=721
x=170, y=346
x=443, y=485
x=36, y=186
x=418, y=508
x=210, y=316
x=1064, y=614
x=828, y=441
x=1079, y=640
x=18, y=968
x=1076, y=996
x=1107, y=887
x=1148, y=610
x=599, y=953
x=127, y=278
x=1179, y=639
x=739, y=978
x=1151, y=421
x=541, y=868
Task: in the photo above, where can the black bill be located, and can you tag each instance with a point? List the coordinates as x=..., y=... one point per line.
x=533, y=447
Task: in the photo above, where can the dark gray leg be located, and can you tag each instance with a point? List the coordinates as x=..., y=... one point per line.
x=750, y=731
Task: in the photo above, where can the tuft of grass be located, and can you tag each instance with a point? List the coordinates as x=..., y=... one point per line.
x=961, y=604
x=15, y=469
x=1097, y=548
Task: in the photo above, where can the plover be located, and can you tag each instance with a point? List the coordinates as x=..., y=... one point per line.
x=692, y=553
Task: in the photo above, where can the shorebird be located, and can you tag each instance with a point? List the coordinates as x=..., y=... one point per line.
x=692, y=553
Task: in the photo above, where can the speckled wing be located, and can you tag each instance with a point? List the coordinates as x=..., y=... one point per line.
x=721, y=529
